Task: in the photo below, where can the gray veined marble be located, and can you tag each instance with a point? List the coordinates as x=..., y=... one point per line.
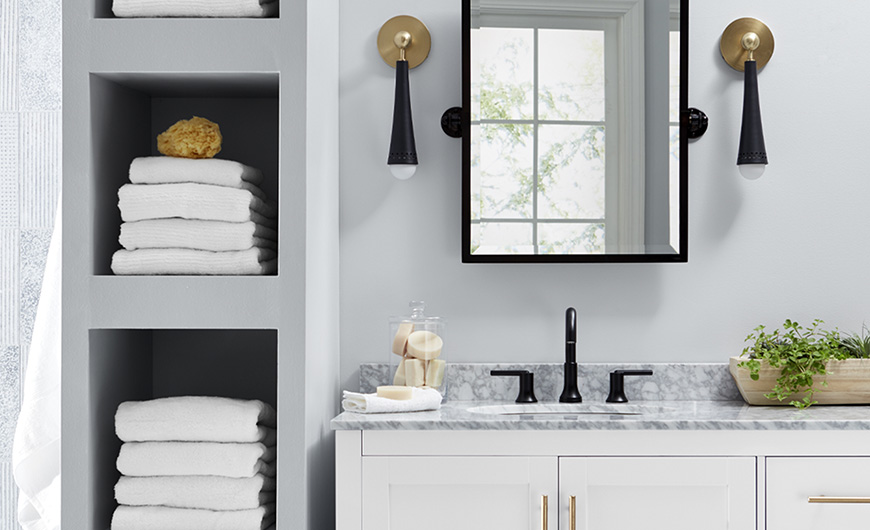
x=676, y=397
x=670, y=382
x=664, y=415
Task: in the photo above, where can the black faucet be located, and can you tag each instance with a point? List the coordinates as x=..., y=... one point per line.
x=527, y=384
x=570, y=393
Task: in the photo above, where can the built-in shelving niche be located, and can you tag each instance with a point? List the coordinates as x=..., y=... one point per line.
x=140, y=364
x=129, y=110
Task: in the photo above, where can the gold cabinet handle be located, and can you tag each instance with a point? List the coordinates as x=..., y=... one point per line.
x=544, y=510
x=572, y=513
x=821, y=499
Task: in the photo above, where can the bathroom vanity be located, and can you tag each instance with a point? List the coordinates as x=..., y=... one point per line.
x=668, y=465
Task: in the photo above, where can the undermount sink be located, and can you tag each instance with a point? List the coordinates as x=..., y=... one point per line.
x=568, y=408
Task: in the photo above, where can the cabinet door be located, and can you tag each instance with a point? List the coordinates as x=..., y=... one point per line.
x=658, y=493
x=458, y=493
x=791, y=482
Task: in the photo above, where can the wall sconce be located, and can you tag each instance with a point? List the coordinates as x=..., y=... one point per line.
x=747, y=45
x=404, y=43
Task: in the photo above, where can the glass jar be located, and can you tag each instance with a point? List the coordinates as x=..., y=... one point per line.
x=417, y=350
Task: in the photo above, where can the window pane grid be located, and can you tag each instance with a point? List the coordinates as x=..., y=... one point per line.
x=569, y=138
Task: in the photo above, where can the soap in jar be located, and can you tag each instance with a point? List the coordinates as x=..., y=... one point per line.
x=424, y=345
x=435, y=373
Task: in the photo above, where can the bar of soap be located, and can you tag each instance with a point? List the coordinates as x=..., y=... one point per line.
x=399, y=378
x=401, y=393
x=435, y=373
x=415, y=372
x=424, y=345
x=401, y=339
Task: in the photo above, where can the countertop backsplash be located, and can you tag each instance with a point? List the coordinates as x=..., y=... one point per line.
x=670, y=381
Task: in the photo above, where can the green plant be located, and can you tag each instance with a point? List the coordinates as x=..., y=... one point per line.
x=858, y=344
x=799, y=352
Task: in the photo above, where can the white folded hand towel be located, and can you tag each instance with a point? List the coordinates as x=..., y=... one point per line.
x=195, y=419
x=217, y=236
x=170, y=169
x=154, y=459
x=192, y=201
x=194, y=8
x=205, y=493
x=185, y=261
x=421, y=399
x=165, y=518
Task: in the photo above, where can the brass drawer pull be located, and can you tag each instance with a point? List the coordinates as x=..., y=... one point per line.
x=821, y=499
x=544, y=512
x=572, y=512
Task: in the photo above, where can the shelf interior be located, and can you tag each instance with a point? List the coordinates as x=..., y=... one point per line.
x=129, y=110
x=141, y=364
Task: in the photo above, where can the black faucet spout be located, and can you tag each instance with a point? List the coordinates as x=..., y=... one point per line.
x=570, y=392
x=571, y=335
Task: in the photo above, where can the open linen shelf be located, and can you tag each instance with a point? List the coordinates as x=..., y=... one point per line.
x=129, y=110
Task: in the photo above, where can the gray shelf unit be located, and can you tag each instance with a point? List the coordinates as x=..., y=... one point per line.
x=149, y=336
x=244, y=105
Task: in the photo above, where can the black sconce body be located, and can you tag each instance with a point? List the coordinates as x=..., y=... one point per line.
x=752, y=150
x=403, y=148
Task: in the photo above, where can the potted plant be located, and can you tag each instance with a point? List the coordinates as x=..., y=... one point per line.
x=803, y=366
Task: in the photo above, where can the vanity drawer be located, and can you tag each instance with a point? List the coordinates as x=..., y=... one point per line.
x=794, y=486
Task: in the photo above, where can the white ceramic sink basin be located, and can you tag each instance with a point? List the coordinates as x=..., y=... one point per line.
x=568, y=408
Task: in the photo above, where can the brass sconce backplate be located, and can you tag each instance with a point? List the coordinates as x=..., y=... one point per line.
x=416, y=52
x=731, y=44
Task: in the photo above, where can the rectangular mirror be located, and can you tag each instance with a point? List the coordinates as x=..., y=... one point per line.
x=574, y=147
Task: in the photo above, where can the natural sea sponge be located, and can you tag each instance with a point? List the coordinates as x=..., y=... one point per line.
x=193, y=138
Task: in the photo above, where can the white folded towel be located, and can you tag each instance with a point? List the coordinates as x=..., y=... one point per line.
x=170, y=169
x=195, y=234
x=192, y=201
x=186, y=261
x=195, y=419
x=194, y=8
x=154, y=459
x=205, y=493
x=165, y=518
x=421, y=399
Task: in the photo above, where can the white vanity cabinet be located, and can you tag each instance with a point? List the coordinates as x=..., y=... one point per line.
x=458, y=492
x=759, y=478
x=818, y=493
x=511, y=493
x=430, y=480
x=657, y=493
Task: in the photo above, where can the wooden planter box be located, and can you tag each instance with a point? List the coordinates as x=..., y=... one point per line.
x=848, y=383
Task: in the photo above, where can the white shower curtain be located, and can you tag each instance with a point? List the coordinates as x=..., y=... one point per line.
x=36, y=450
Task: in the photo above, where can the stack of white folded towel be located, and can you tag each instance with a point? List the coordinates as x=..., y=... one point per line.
x=195, y=8
x=195, y=463
x=195, y=216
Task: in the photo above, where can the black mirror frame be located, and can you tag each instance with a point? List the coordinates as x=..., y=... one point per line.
x=681, y=257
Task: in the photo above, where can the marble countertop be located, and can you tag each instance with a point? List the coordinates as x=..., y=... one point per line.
x=648, y=415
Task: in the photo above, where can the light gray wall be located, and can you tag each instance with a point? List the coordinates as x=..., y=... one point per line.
x=29, y=176
x=791, y=245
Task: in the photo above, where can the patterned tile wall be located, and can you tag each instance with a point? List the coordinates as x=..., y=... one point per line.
x=30, y=160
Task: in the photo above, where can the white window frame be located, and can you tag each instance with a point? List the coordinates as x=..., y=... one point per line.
x=675, y=198
x=622, y=22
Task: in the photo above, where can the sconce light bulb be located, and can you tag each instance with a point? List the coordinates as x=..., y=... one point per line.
x=751, y=171
x=403, y=171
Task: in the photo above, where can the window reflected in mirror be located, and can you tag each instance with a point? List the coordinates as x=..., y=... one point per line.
x=564, y=113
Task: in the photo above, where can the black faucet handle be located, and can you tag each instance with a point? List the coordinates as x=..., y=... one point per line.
x=617, y=384
x=527, y=384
